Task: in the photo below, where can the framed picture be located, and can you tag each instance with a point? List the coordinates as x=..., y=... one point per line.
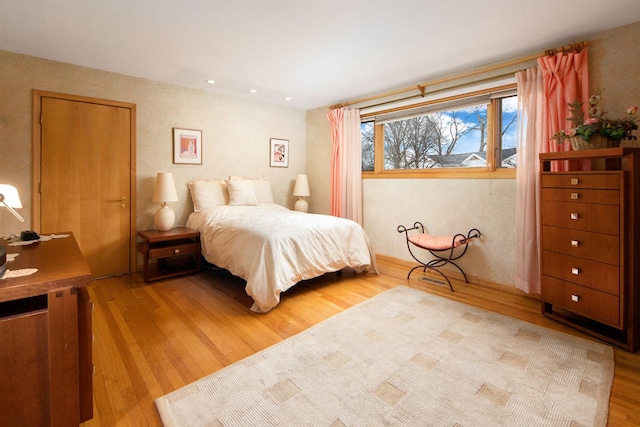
x=187, y=146
x=279, y=153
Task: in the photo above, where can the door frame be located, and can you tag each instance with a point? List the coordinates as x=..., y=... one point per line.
x=36, y=160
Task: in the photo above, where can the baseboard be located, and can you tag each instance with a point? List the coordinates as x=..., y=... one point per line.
x=453, y=274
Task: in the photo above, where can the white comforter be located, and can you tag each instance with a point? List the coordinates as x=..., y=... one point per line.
x=273, y=248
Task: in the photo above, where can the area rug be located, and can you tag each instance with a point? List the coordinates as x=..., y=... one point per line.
x=407, y=358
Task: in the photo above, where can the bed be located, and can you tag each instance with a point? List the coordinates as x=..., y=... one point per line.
x=269, y=246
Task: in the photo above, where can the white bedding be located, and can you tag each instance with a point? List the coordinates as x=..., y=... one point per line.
x=273, y=248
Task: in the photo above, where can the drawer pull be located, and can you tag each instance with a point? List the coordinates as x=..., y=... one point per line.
x=575, y=270
x=575, y=181
x=575, y=243
x=574, y=216
x=176, y=251
x=575, y=196
x=575, y=298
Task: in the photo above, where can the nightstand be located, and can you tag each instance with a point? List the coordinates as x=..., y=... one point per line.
x=176, y=251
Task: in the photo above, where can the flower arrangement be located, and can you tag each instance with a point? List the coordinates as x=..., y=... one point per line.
x=598, y=124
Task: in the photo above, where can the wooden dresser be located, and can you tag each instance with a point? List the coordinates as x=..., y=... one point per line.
x=45, y=337
x=590, y=242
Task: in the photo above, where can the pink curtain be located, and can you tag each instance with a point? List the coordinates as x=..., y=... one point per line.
x=346, y=164
x=336, y=118
x=531, y=139
x=566, y=78
x=544, y=93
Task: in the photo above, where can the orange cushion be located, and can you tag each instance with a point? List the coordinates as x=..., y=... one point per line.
x=437, y=243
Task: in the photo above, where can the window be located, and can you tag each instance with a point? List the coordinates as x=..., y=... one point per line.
x=366, y=132
x=508, y=107
x=475, y=132
x=444, y=139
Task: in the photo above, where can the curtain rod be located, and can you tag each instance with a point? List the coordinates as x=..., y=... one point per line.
x=573, y=47
x=577, y=47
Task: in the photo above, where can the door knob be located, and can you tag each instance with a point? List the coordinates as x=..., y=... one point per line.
x=121, y=200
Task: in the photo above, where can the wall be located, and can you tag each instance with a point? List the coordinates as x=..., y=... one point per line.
x=236, y=132
x=454, y=205
x=233, y=127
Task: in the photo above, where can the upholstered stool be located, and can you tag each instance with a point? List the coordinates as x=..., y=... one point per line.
x=445, y=249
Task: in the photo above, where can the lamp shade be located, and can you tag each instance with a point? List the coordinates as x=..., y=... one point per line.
x=164, y=192
x=9, y=195
x=9, y=198
x=302, y=186
x=165, y=189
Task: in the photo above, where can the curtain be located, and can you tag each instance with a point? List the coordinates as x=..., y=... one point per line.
x=566, y=78
x=532, y=138
x=544, y=93
x=346, y=164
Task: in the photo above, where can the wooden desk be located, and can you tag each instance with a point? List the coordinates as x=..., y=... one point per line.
x=45, y=337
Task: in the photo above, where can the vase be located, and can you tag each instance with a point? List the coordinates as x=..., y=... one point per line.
x=596, y=141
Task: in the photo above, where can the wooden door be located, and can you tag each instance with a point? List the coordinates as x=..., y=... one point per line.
x=86, y=179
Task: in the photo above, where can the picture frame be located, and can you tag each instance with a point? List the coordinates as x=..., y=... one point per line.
x=187, y=146
x=279, y=153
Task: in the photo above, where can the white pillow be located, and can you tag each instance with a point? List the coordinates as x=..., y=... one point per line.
x=207, y=193
x=262, y=188
x=241, y=193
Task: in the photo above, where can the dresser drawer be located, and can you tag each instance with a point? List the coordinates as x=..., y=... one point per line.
x=591, y=274
x=578, y=195
x=168, y=251
x=582, y=244
x=582, y=216
x=587, y=302
x=610, y=180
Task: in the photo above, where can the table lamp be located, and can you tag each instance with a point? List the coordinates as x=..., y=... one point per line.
x=301, y=189
x=9, y=198
x=164, y=192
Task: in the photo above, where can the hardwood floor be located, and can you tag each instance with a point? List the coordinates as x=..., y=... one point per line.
x=152, y=338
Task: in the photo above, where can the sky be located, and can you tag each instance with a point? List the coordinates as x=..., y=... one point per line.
x=470, y=142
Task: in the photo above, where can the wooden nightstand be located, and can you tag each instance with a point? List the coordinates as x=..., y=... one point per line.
x=177, y=252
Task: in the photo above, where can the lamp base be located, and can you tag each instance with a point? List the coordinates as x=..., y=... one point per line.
x=164, y=218
x=3, y=260
x=301, y=205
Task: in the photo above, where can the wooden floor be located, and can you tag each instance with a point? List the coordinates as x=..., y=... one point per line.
x=152, y=338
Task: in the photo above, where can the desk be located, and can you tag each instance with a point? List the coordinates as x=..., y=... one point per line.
x=45, y=337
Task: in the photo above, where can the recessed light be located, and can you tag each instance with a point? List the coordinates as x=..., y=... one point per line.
x=211, y=81
x=287, y=98
x=253, y=90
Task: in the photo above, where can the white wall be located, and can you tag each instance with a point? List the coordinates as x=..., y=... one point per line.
x=236, y=135
x=236, y=132
x=444, y=206
x=448, y=206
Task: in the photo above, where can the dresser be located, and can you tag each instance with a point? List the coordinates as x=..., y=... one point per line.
x=45, y=337
x=590, y=242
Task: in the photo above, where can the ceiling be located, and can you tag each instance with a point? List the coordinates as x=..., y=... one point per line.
x=318, y=52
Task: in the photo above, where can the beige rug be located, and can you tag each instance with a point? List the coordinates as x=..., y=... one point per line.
x=407, y=358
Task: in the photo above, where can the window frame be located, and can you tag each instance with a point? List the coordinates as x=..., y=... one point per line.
x=491, y=171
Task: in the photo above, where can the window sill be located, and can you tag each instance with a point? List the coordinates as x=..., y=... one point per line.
x=471, y=173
